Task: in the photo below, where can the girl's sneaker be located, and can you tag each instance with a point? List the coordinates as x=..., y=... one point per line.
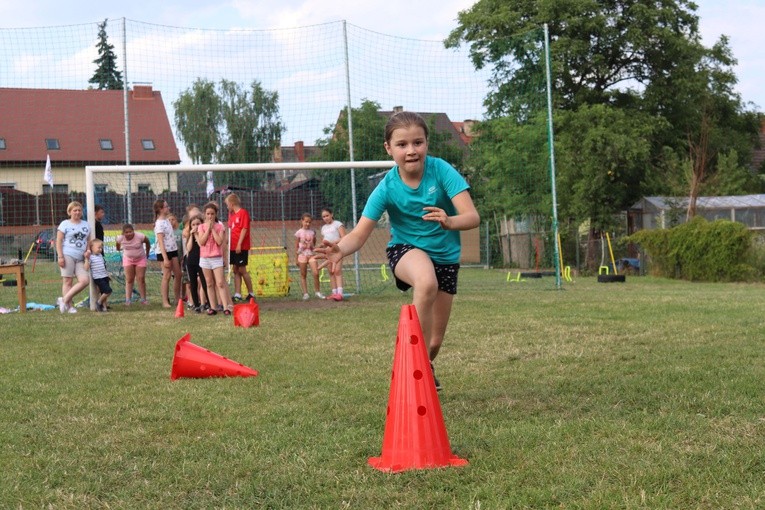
x=72, y=310
x=61, y=304
x=306, y=297
x=144, y=301
x=319, y=295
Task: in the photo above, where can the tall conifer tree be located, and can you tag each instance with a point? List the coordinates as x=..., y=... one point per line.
x=106, y=77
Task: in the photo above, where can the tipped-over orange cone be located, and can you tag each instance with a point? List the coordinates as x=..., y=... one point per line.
x=193, y=361
x=415, y=436
x=247, y=314
x=179, y=310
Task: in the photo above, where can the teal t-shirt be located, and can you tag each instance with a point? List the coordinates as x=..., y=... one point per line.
x=440, y=183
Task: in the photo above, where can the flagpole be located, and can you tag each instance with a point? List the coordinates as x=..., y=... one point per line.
x=48, y=176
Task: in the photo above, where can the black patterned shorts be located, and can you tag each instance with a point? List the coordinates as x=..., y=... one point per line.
x=446, y=274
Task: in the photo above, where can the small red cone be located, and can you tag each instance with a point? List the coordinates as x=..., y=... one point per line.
x=247, y=315
x=179, y=310
x=415, y=435
x=193, y=361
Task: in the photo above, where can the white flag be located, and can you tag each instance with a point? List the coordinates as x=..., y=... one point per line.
x=210, y=185
x=48, y=175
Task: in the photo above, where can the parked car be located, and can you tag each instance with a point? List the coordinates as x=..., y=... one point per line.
x=46, y=243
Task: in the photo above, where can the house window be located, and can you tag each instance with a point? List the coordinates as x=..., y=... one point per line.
x=148, y=144
x=106, y=144
x=57, y=188
x=144, y=188
x=52, y=144
x=100, y=189
x=2, y=144
x=8, y=185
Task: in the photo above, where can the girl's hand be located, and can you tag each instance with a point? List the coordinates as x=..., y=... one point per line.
x=167, y=263
x=331, y=252
x=61, y=262
x=437, y=214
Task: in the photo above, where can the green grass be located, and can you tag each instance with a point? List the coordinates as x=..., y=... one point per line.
x=647, y=394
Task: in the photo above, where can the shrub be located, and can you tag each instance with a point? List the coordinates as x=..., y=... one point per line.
x=700, y=250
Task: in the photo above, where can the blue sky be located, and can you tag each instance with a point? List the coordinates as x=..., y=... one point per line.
x=424, y=19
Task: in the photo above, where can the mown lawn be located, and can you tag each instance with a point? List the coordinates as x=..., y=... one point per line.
x=647, y=394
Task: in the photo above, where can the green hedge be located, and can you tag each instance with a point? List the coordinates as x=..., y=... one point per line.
x=700, y=250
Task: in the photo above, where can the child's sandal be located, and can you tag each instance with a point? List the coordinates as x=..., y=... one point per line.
x=211, y=312
x=226, y=312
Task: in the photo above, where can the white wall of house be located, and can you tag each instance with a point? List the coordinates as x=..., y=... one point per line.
x=30, y=180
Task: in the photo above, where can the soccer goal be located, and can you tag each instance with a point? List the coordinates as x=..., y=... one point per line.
x=275, y=209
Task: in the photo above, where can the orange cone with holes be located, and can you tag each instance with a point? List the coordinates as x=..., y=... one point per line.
x=415, y=435
x=179, y=312
x=193, y=361
x=247, y=315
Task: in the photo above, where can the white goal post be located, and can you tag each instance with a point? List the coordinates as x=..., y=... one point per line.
x=127, y=170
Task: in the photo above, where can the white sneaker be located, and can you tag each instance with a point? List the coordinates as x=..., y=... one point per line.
x=61, y=305
x=306, y=297
x=319, y=295
x=72, y=310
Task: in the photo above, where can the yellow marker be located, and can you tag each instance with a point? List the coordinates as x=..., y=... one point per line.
x=384, y=273
x=516, y=279
x=611, y=252
x=29, y=252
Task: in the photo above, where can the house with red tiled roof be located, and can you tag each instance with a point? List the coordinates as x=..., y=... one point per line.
x=466, y=130
x=83, y=127
x=441, y=124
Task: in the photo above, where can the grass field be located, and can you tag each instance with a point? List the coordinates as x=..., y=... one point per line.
x=647, y=394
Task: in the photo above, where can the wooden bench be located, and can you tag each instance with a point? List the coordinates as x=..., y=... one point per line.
x=21, y=288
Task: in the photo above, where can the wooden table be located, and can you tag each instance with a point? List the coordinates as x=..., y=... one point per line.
x=21, y=288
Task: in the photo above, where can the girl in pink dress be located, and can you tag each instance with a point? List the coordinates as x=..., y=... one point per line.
x=305, y=240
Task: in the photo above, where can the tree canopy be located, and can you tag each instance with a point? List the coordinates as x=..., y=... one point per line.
x=638, y=101
x=228, y=123
x=106, y=77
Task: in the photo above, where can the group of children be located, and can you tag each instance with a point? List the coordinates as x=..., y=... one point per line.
x=305, y=255
x=199, y=252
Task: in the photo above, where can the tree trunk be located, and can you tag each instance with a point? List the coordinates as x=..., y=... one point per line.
x=699, y=156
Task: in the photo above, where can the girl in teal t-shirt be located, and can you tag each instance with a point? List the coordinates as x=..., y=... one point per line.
x=428, y=203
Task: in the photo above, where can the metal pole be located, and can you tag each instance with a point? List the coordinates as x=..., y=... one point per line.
x=126, y=113
x=90, y=200
x=551, y=143
x=356, y=258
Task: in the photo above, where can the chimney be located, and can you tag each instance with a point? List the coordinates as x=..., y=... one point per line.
x=299, y=151
x=277, y=157
x=143, y=92
x=398, y=109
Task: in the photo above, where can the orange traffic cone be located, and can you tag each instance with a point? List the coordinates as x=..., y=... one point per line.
x=193, y=361
x=179, y=310
x=247, y=314
x=415, y=436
